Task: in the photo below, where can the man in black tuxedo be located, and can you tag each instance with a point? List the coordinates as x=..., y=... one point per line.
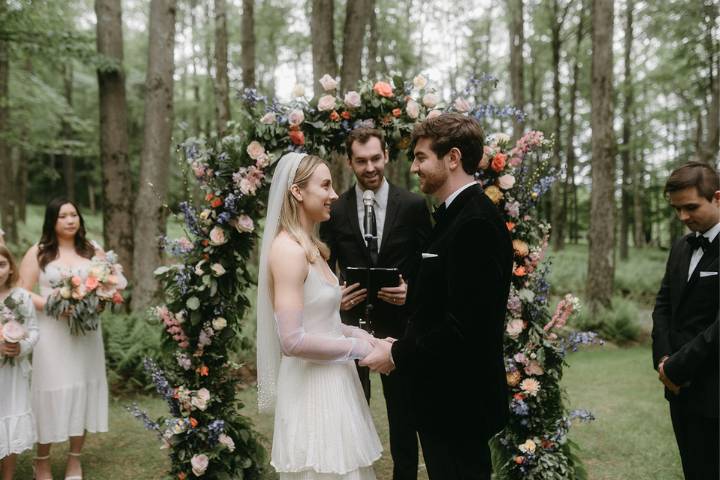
x=401, y=224
x=453, y=346
x=685, y=320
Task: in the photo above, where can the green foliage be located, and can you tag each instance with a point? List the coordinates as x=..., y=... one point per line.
x=619, y=323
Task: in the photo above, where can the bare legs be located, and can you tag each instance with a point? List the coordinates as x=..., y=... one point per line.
x=8, y=467
x=42, y=460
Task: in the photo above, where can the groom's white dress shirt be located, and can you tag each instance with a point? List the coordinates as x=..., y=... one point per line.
x=698, y=253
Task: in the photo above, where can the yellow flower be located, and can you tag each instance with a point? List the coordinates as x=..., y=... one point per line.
x=494, y=194
x=521, y=248
x=528, y=446
x=513, y=378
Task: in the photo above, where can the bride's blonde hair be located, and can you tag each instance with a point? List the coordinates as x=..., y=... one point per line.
x=290, y=212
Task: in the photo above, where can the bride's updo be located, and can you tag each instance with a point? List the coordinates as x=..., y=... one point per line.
x=290, y=212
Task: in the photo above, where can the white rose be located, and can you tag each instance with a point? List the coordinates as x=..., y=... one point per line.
x=434, y=113
x=219, y=323
x=352, y=99
x=500, y=138
x=204, y=394
x=326, y=102
x=527, y=447
x=217, y=236
x=462, y=105
x=255, y=150
x=217, y=269
x=298, y=90
x=506, y=182
x=413, y=109
x=199, y=403
x=199, y=464
x=269, y=118
x=296, y=117
x=430, y=100
x=198, y=268
x=180, y=317
x=420, y=82
x=65, y=292
x=227, y=441
x=328, y=83
x=515, y=328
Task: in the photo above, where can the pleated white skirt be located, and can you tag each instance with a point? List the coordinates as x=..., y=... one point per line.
x=323, y=426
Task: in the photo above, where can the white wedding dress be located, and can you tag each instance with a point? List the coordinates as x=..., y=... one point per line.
x=69, y=383
x=323, y=426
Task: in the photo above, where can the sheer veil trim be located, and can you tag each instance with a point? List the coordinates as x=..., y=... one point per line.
x=268, y=345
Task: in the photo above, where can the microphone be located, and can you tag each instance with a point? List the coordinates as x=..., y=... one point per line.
x=368, y=200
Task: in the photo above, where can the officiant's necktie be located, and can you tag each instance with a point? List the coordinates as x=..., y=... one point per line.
x=373, y=242
x=699, y=241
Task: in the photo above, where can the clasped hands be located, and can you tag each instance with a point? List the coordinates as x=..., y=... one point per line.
x=9, y=350
x=380, y=358
x=353, y=294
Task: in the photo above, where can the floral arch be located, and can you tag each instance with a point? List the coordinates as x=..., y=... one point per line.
x=206, y=434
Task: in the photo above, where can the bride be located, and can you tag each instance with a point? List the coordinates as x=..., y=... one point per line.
x=323, y=428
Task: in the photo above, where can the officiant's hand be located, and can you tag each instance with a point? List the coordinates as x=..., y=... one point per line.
x=351, y=296
x=394, y=295
x=665, y=380
x=380, y=359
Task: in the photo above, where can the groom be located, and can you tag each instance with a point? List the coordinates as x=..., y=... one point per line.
x=685, y=320
x=453, y=345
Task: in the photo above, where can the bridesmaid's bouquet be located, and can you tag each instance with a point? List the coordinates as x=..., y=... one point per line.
x=81, y=302
x=12, y=318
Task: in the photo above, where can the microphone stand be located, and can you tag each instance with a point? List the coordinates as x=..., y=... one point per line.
x=368, y=304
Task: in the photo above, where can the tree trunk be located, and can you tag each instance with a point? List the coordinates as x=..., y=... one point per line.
x=248, y=44
x=517, y=65
x=373, y=41
x=627, y=173
x=210, y=85
x=195, y=77
x=557, y=213
x=222, y=82
x=601, y=266
x=638, y=195
x=68, y=162
x=155, y=160
x=711, y=146
x=356, y=14
x=117, y=187
x=569, y=187
x=323, y=42
x=7, y=200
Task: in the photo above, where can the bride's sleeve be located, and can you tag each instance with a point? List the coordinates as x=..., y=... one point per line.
x=296, y=342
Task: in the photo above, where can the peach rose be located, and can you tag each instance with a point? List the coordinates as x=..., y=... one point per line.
x=326, y=103
x=352, y=99
x=521, y=248
x=515, y=327
x=91, y=283
x=255, y=150
x=430, y=100
x=296, y=117
x=383, y=89
x=13, y=332
x=76, y=281
x=328, y=83
x=498, y=162
x=199, y=464
x=506, y=182
x=217, y=236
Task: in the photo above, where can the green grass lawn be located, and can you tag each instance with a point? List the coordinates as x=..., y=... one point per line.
x=630, y=440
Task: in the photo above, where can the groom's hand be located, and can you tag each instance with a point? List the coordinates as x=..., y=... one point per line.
x=394, y=295
x=665, y=380
x=380, y=359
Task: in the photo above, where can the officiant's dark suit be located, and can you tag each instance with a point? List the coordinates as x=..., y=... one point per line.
x=685, y=331
x=405, y=228
x=452, y=351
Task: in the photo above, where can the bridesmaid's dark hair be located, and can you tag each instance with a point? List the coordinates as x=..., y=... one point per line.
x=48, y=245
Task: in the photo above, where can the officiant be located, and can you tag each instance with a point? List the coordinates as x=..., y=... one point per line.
x=398, y=224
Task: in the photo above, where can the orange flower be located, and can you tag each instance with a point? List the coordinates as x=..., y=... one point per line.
x=519, y=396
x=209, y=197
x=345, y=114
x=117, y=298
x=203, y=371
x=519, y=459
x=334, y=116
x=205, y=243
x=76, y=281
x=182, y=476
x=216, y=202
x=396, y=112
x=510, y=226
x=91, y=283
x=520, y=271
x=193, y=422
x=498, y=162
x=297, y=137
x=383, y=89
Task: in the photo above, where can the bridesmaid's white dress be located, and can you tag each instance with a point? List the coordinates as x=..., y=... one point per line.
x=323, y=426
x=69, y=383
x=17, y=425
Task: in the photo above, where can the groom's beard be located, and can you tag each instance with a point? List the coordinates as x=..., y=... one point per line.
x=430, y=182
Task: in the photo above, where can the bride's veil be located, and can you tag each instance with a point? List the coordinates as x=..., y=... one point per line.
x=268, y=345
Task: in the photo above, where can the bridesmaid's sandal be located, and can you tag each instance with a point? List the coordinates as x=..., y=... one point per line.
x=74, y=477
x=34, y=468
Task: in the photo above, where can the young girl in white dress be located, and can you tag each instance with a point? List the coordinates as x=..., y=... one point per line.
x=323, y=427
x=69, y=387
x=17, y=424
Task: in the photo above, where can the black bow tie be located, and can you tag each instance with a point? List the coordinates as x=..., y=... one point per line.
x=439, y=212
x=699, y=241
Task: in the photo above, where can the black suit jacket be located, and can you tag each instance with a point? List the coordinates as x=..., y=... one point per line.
x=453, y=346
x=406, y=227
x=685, y=326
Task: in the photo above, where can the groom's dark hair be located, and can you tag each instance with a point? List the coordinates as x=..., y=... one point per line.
x=453, y=130
x=362, y=135
x=694, y=174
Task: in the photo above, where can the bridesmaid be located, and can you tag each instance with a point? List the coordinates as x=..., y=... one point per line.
x=69, y=387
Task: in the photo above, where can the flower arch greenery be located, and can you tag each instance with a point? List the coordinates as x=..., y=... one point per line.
x=206, y=435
